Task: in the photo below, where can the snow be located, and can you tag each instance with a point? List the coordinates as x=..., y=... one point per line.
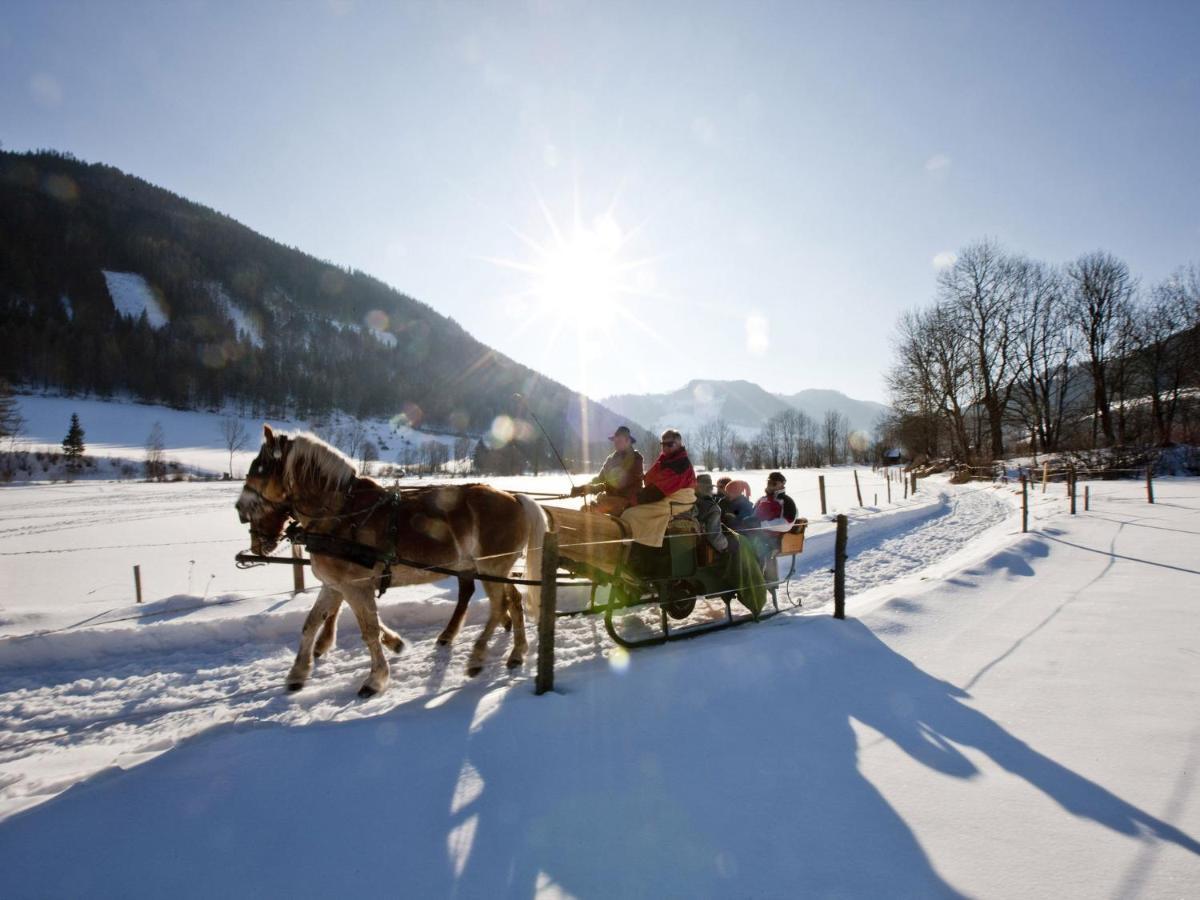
x=118, y=429
x=1002, y=715
x=132, y=296
x=247, y=326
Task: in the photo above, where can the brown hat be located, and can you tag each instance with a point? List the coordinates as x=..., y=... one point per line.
x=777, y=476
x=623, y=431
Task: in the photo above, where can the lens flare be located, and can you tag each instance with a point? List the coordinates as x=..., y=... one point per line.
x=618, y=660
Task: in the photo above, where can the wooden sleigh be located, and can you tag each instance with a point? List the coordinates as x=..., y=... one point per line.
x=631, y=580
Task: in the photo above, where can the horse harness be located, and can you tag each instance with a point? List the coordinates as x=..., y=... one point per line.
x=350, y=549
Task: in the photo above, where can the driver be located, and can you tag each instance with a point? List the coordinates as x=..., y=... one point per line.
x=620, y=477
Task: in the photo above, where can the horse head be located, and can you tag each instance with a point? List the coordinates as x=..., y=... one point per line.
x=264, y=503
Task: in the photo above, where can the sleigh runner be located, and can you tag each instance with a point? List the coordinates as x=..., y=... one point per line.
x=630, y=578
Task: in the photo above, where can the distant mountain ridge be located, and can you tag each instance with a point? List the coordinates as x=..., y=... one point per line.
x=109, y=284
x=743, y=405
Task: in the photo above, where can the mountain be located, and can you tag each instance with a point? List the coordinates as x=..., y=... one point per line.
x=742, y=404
x=861, y=414
x=110, y=285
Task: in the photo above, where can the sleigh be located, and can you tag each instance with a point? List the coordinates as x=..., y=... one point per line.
x=653, y=595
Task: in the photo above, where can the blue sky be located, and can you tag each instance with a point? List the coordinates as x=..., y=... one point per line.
x=740, y=190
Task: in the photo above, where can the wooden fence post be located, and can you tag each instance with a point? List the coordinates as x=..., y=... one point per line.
x=1149, y=485
x=857, y=489
x=546, y=622
x=839, y=569
x=137, y=582
x=297, y=570
x=1071, y=488
x=1045, y=475
x=1087, y=500
x=1024, y=504
x=914, y=479
x=821, y=483
x=905, y=487
x=889, y=488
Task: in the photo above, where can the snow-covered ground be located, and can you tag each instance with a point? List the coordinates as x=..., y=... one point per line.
x=1002, y=715
x=117, y=430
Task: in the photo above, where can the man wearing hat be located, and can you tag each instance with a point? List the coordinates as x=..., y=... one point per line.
x=708, y=513
x=620, y=477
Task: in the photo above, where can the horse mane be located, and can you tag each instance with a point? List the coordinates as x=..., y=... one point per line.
x=314, y=463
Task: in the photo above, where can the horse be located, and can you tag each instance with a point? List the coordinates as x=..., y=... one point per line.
x=356, y=528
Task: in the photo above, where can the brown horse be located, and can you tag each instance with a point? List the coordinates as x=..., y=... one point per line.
x=470, y=529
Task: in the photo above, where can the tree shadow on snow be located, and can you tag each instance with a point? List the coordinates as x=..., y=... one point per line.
x=653, y=783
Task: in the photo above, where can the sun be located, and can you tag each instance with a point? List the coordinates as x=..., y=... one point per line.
x=581, y=279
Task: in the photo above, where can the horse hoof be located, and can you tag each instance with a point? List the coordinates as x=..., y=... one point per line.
x=514, y=663
x=399, y=648
x=294, y=686
x=508, y=626
x=474, y=670
x=366, y=692
x=443, y=642
x=317, y=654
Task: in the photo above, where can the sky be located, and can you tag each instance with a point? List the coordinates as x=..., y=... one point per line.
x=627, y=196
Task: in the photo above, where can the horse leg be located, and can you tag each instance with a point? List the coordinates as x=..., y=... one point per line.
x=496, y=595
x=516, y=615
x=362, y=601
x=328, y=631
x=466, y=589
x=390, y=639
x=325, y=606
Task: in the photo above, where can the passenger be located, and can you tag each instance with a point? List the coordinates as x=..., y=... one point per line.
x=670, y=482
x=620, y=477
x=739, y=509
x=776, y=513
x=722, y=500
x=708, y=514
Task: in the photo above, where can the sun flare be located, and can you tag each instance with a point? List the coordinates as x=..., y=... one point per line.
x=580, y=280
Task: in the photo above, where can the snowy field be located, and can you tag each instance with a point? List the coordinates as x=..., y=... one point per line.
x=117, y=430
x=1001, y=716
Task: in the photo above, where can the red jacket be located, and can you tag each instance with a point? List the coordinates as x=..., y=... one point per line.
x=671, y=472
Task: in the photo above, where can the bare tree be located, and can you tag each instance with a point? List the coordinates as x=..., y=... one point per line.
x=234, y=435
x=156, y=459
x=462, y=450
x=979, y=291
x=1165, y=332
x=1045, y=348
x=1100, y=292
x=367, y=454
x=351, y=438
x=706, y=444
x=835, y=428
x=932, y=375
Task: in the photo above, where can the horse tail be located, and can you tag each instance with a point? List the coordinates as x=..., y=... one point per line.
x=536, y=520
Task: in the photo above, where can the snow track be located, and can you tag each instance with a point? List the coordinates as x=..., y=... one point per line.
x=120, y=687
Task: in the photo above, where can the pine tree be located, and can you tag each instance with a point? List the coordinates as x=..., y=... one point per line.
x=72, y=444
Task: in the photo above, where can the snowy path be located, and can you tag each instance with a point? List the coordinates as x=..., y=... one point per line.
x=133, y=683
x=1023, y=724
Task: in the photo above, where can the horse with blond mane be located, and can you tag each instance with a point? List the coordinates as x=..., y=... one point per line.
x=357, y=530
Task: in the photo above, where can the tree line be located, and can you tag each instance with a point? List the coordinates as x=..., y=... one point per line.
x=1019, y=355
